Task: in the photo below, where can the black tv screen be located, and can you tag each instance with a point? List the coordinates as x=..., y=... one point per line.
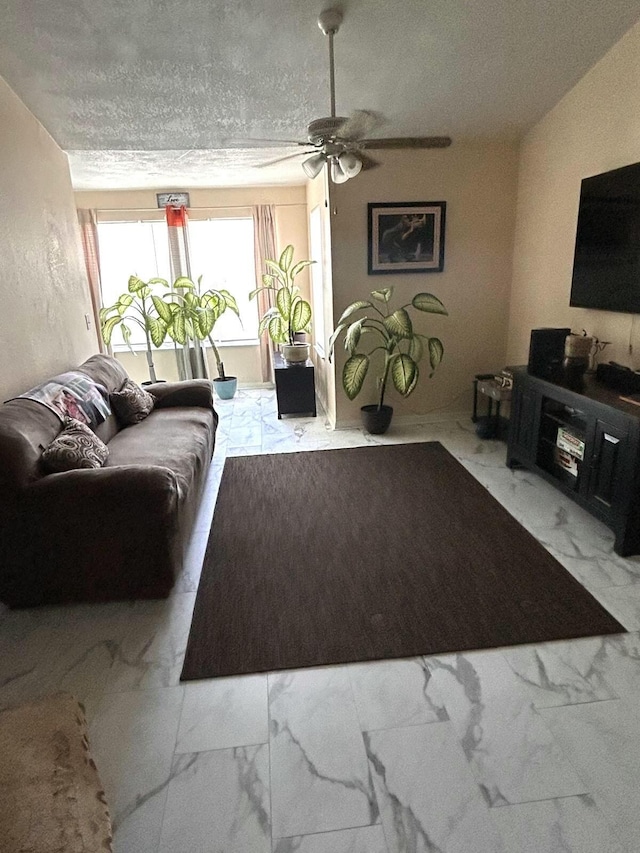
x=606, y=265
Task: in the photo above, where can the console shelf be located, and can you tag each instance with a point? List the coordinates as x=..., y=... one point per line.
x=587, y=444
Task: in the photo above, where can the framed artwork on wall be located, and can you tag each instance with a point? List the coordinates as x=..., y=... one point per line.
x=406, y=236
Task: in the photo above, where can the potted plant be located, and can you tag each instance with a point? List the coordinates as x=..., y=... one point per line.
x=136, y=306
x=390, y=333
x=291, y=314
x=190, y=317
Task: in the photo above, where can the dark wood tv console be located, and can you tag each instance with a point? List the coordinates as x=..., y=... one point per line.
x=598, y=426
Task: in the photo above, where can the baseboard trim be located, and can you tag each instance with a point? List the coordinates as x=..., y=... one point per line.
x=411, y=420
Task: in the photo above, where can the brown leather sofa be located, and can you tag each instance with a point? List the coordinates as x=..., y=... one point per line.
x=116, y=532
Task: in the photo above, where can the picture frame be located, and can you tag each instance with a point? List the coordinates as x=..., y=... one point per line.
x=406, y=236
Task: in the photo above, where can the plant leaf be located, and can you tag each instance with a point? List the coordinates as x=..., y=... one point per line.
x=355, y=306
x=403, y=372
x=267, y=280
x=135, y=284
x=162, y=308
x=230, y=301
x=300, y=315
x=183, y=282
x=353, y=374
x=107, y=328
x=283, y=301
x=383, y=295
x=436, y=351
x=206, y=321
x=416, y=348
x=297, y=268
x=285, y=258
x=429, y=303
x=275, y=269
x=334, y=336
x=161, y=281
x=277, y=332
x=157, y=330
x=352, y=338
x=415, y=381
x=178, y=329
x=399, y=324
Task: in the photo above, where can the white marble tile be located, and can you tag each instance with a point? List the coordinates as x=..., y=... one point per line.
x=395, y=693
x=623, y=602
x=365, y=839
x=218, y=801
x=562, y=673
x=511, y=752
x=319, y=772
x=568, y=825
x=224, y=712
x=133, y=738
x=602, y=740
x=427, y=794
x=152, y=651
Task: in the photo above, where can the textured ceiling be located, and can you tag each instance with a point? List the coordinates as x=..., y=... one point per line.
x=169, y=76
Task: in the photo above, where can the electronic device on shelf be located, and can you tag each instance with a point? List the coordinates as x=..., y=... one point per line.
x=618, y=377
x=546, y=352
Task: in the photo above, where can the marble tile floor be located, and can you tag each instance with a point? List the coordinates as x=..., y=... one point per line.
x=530, y=749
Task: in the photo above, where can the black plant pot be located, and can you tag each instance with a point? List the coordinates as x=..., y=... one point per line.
x=376, y=420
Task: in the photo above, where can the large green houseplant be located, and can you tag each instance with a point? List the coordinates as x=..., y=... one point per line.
x=291, y=314
x=137, y=306
x=390, y=333
x=190, y=316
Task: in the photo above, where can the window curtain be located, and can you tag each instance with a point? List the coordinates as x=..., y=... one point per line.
x=89, y=234
x=191, y=358
x=264, y=244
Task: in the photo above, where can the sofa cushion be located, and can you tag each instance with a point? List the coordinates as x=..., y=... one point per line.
x=132, y=403
x=75, y=447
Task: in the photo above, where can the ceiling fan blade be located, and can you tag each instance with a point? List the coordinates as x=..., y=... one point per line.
x=359, y=124
x=288, y=157
x=367, y=162
x=408, y=142
x=259, y=143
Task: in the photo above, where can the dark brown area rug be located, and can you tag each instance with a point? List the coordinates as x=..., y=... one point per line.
x=392, y=551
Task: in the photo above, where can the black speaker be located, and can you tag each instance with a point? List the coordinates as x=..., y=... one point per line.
x=546, y=352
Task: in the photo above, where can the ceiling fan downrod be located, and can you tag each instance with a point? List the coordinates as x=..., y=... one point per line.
x=329, y=22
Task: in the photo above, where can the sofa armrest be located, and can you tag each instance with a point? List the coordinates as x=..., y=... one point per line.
x=190, y=392
x=125, y=491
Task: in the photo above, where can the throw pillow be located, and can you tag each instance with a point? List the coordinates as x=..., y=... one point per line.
x=132, y=403
x=75, y=447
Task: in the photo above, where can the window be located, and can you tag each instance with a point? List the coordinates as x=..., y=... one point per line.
x=131, y=248
x=221, y=250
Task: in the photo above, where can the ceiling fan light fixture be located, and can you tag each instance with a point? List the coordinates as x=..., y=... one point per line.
x=313, y=165
x=338, y=175
x=350, y=164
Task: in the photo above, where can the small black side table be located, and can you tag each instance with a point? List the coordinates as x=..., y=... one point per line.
x=295, y=387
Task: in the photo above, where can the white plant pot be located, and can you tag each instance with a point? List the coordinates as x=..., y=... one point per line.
x=296, y=353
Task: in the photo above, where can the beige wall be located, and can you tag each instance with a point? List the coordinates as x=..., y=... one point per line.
x=596, y=127
x=291, y=227
x=478, y=182
x=42, y=276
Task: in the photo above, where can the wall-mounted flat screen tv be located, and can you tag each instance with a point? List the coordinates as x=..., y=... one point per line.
x=606, y=266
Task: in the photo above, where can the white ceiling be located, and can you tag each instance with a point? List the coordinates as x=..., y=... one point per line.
x=128, y=87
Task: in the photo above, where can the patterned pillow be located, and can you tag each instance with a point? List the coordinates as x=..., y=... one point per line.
x=132, y=403
x=75, y=447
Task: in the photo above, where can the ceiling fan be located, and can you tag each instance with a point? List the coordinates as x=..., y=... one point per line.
x=340, y=142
